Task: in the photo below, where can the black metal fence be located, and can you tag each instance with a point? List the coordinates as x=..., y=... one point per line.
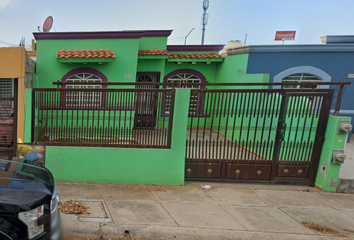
x=242, y=124
x=256, y=133
x=102, y=117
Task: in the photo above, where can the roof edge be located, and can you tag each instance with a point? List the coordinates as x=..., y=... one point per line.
x=301, y=48
x=101, y=35
x=194, y=47
x=239, y=50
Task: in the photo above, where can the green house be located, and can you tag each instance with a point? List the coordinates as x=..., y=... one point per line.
x=184, y=126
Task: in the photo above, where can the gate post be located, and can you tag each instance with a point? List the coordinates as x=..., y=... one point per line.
x=328, y=172
x=279, y=137
x=28, y=115
x=33, y=115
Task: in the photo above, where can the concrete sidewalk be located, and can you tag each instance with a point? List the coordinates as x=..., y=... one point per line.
x=227, y=211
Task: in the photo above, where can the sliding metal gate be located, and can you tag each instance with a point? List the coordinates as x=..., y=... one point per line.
x=256, y=134
x=8, y=116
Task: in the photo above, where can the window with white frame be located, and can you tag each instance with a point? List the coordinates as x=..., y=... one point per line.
x=179, y=79
x=300, y=78
x=81, y=98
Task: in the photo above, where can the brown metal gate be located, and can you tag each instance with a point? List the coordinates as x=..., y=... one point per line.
x=8, y=116
x=256, y=134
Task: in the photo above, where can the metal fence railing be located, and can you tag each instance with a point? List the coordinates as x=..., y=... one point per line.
x=102, y=117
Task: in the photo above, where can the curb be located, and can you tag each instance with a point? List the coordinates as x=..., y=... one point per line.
x=165, y=233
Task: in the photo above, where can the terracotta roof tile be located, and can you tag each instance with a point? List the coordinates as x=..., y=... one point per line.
x=195, y=55
x=177, y=55
x=153, y=53
x=85, y=54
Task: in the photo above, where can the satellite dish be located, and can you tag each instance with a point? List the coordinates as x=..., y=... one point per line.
x=47, y=25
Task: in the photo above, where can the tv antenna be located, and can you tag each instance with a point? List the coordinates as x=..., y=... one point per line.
x=47, y=25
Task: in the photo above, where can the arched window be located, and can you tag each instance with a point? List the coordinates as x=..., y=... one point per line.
x=82, y=76
x=83, y=98
x=303, y=73
x=180, y=77
x=301, y=78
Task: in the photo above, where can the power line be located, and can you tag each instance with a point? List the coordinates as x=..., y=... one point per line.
x=175, y=38
x=7, y=43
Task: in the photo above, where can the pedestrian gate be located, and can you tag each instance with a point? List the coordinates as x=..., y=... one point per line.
x=8, y=116
x=262, y=134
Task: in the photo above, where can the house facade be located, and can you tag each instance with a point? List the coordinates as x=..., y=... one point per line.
x=327, y=62
x=170, y=125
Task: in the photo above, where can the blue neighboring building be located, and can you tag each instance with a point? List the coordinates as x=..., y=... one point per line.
x=329, y=62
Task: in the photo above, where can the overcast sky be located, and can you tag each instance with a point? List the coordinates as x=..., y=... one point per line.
x=228, y=19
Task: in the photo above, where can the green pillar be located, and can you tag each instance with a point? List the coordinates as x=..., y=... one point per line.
x=28, y=116
x=328, y=172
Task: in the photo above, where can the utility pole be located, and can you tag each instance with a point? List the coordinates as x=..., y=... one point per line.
x=205, y=18
x=185, y=38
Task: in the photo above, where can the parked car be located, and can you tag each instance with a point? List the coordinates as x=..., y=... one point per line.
x=28, y=201
x=6, y=132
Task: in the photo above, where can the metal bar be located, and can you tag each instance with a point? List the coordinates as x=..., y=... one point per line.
x=297, y=114
x=256, y=108
x=7, y=99
x=271, y=115
x=278, y=138
x=234, y=108
x=170, y=120
x=242, y=118
x=206, y=84
x=219, y=107
x=304, y=143
x=319, y=138
x=16, y=118
x=33, y=110
x=339, y=98
x=264, y=115
x=104, y=89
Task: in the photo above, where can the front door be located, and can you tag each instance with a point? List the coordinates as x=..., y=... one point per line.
x=146, y=102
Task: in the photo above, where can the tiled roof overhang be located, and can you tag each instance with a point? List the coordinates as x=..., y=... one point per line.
x=72, y=56
x=101, y=35
x=180, y=57
x=153, y=53
x=85, y=54
x=196, y=55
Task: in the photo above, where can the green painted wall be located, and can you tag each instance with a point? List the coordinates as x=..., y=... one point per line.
x=233, y=70
x=233, y=65
x=153, y=43
x=328, y=181
x=150, y=65
x=126, y=165
x=50, y=69
x=28, y=115
x=208, y=70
